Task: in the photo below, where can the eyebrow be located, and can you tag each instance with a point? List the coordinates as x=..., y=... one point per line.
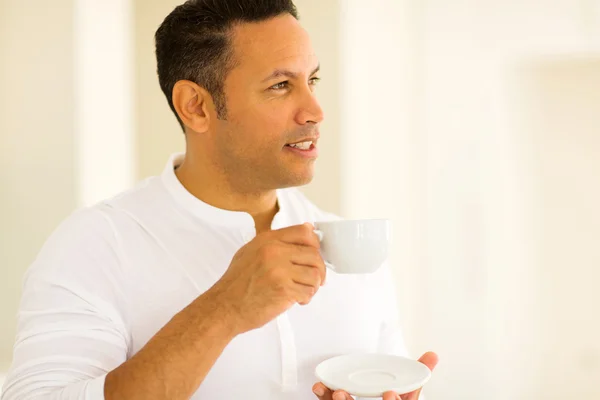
x=278, y=73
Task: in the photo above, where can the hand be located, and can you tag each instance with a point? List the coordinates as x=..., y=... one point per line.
x=269, y=275
x=323, y=393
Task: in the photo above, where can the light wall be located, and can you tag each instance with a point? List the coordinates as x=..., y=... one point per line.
x=38, y=183
x=561, y=140
x=482, y=271
x=104, y=98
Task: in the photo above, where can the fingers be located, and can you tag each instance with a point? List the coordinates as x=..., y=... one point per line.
x=322, y=392
x=302, y=294
x=307, y=276
x=341, y=395
x=410, y=396
x=303, y=235
x=310, y=259
x=390, y=396
x=303, y=247
x=430, y=359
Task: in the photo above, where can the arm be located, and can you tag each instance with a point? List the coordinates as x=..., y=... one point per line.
x=176, y=360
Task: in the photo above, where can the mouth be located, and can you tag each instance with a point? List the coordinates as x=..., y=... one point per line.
x=306, y=147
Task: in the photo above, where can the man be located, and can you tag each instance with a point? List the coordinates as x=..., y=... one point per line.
x=207, y=282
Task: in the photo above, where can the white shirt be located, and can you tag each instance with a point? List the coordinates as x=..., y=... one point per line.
x=113, y=274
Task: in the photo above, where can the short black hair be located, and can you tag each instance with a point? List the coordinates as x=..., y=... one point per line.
x=194, y=43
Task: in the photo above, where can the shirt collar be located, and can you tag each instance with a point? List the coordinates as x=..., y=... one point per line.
x=211, y=214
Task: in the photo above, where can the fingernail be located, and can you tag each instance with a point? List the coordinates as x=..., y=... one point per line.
x=339, y=396
x=319, y=391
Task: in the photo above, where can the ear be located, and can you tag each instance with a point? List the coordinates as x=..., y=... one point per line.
x=194, y=105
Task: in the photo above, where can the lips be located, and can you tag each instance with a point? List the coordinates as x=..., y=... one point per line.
x=306, y=145
x=306, y=149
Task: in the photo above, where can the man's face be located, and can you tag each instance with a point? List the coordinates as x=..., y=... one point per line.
x=270, y=105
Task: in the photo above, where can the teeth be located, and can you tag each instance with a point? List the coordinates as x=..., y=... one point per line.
x=301, y=146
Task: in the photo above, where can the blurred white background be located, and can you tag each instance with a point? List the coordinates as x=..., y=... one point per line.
x=473, y=124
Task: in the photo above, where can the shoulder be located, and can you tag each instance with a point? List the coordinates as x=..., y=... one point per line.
x=88, y=239
x=85, y=237
x=148, y=193
x=93, y=227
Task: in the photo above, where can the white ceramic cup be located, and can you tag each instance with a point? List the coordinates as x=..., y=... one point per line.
x=354, y=247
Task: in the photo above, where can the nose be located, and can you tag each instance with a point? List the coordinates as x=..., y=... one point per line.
x=310, y=111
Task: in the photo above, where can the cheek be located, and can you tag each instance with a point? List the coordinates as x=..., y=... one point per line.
x=273, y=114
x=264, y=126
x=249, y=140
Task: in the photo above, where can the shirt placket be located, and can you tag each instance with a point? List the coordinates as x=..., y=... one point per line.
x=289, y=362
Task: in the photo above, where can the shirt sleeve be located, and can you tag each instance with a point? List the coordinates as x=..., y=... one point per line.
x=71, y=323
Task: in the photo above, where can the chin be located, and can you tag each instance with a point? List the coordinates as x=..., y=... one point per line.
x=305, y=181
x=295, y=180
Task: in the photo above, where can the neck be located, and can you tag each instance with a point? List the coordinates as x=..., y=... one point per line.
x=212, y=187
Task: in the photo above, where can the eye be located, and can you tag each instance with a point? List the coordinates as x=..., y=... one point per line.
x=280, y=86
x=314, y=81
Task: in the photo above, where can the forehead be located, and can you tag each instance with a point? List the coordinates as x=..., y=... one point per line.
x=275, y=43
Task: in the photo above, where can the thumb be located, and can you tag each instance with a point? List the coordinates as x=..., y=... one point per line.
x=430, y=359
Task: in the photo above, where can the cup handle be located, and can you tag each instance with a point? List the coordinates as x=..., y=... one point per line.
x=320, y=235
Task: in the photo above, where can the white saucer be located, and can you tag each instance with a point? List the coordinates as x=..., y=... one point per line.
x=371, y=375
